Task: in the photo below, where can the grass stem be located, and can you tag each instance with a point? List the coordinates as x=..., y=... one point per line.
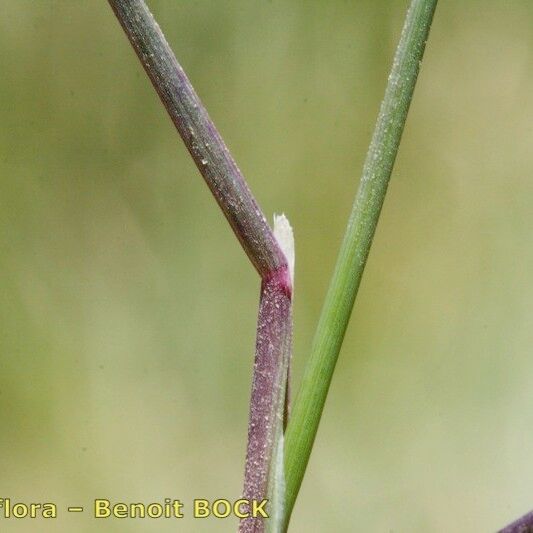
x=337, y=308
x=522, y=525
x=200, y=135
x=264, y=468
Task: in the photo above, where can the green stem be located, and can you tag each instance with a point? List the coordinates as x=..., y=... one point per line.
x=309, y=403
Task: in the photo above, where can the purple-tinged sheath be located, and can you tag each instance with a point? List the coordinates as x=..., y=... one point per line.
x=522, y=525
x=273, y=349
x=212, y=157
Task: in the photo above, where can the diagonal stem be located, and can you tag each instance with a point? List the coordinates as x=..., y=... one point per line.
x=522, y=525
x=309, y=403
x=200, y=135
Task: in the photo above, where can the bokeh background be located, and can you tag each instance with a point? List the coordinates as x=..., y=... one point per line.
x=127, y=308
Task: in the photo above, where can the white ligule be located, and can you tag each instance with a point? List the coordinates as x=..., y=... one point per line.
x=285, y=238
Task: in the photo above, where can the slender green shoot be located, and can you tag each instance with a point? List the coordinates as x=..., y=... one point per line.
x=309, y=403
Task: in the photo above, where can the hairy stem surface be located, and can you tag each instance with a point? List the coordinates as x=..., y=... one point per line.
x=265, y=430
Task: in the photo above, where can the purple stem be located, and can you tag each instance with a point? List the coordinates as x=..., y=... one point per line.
x=522, y=525
x=200, y=136
x=234, y=197
x=273, y=348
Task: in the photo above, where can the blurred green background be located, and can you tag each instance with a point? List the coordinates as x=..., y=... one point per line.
x=127, y=308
